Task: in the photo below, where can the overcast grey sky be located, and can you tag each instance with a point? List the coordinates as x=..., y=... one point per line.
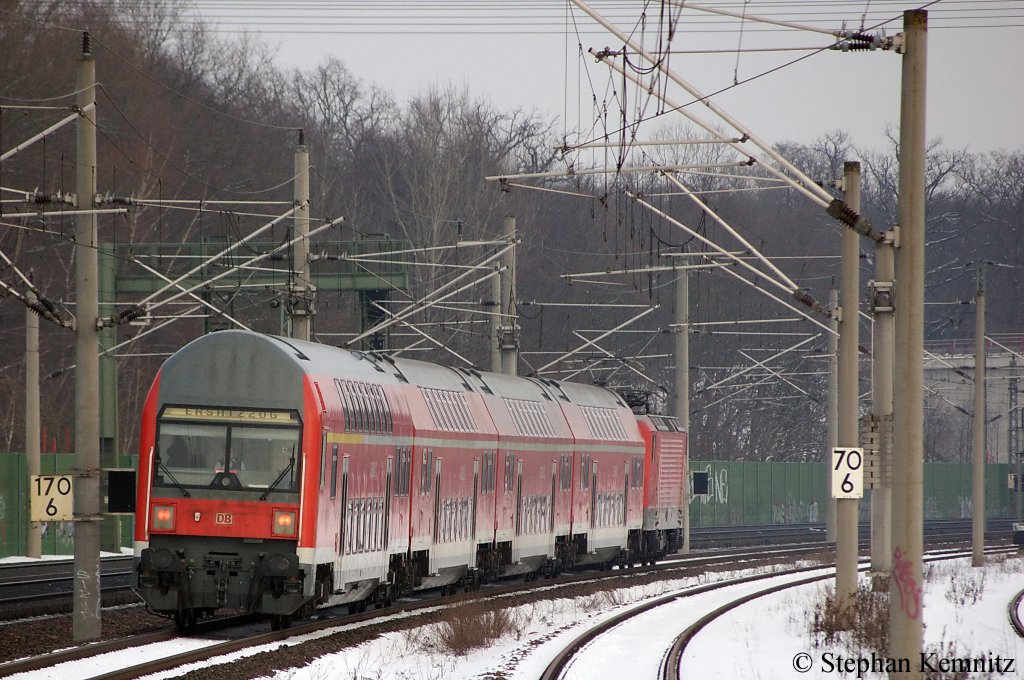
x=526, y=54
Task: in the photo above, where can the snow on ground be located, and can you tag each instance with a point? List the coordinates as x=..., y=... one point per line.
x=649, y=635
x=549, y=626
x=965, y=615
x=19, y=559
x=963, y=606
x=759, y=641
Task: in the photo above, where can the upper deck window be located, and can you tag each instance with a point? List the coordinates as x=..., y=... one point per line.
x=530, y=417
x=449, y=410
x=366, y=407
x=604, y=423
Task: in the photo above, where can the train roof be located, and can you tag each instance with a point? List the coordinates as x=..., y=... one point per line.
x=212, y=366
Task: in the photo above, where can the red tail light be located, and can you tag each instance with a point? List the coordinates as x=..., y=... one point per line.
x=284, y=523
x=163, y=517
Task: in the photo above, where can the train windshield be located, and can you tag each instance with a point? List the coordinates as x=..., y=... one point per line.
x=230, y=456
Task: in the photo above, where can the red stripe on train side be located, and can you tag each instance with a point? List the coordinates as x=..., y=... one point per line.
x=147, y=442
x=311, y=440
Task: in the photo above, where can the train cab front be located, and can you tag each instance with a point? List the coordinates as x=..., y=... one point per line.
x=222, y=515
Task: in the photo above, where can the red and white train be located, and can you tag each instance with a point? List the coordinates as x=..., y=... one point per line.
x=277, y=475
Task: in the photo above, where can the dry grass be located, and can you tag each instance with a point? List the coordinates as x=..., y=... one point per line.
x=869, y=634
x=471, y=627
x=965, y=589
x=870, y=629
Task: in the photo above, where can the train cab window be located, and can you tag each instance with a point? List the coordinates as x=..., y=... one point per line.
x=247, y=457
x=263, y=456
x=192, y=447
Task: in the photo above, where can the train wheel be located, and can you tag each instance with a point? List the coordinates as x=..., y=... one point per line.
x=185, y=619
x=280, y=622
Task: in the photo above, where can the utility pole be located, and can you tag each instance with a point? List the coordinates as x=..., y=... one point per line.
x=301, y=308
x=86, y=614
x=496, y=319
x=34, y=542
x=847, y=540
x=110, y=532
x=509, y=316
x=1014, y=436
x=978, y=466
x=881, y=300
x=906, y=627
x=833, y=415
x=682, y=387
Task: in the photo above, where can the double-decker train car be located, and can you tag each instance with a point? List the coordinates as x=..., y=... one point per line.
x=277, y=475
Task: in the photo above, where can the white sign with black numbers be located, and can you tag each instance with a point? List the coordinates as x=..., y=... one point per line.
x=847, y=473
x=50, y=498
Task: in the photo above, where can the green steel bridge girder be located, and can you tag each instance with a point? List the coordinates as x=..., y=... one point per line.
x=336, y=273
x=324, y=282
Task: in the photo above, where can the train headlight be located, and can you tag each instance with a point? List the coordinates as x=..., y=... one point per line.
x=163, y=517
x=284, y=523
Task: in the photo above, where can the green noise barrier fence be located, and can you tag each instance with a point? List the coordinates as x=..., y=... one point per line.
x=58, y=537
x=739, y=493
x=751, y=493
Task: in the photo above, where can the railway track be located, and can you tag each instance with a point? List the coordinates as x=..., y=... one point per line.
x=1013, y=610
x=207, y=648
x=669, y=666
x=46, y=586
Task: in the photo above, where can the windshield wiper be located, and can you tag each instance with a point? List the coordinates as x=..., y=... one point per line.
x=288, y=468
x=181, y=487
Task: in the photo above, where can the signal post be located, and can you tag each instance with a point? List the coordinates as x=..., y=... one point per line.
x=847, y=463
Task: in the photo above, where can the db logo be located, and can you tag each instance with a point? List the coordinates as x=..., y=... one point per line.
x=224, y=518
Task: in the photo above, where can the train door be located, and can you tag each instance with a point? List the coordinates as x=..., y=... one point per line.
x=437, y=500
x=346, y=534
x=387, y=505
x=323, y=459
x=582, y=496
x=519, y=497
x=554, y=497
x=476, y=497
x=334, y=471
x=625, y=494
x=593, y=494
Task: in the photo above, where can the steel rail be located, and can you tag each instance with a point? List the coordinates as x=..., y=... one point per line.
x=228, y=646
x=1014, y=612
x=673, y=659
x=562, y=660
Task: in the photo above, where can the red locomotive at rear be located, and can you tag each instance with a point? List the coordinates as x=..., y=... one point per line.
x=665, y=479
